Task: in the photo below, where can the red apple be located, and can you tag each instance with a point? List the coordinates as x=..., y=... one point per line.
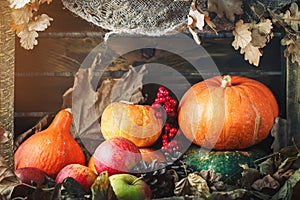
x=116, y=155
x=84, y=175
x=129, y=187
x=30, y=174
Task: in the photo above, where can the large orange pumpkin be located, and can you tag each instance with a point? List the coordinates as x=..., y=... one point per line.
x=137, y=123
x=51, y=149
x=227, y=112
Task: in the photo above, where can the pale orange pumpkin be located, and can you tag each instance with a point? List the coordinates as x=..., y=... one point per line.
x=149, y=155
x=229, y=112
x=137, y=123
x=51, y=149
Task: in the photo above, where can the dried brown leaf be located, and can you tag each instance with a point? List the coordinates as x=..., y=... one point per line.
x=267, y=182
x=45, y=1
x=262, y=33
x=8, y=180
x=252, y=54
x=265, y=26
x=242, y=35
x=37, y=128
x=22, y=15
x=5, y=136
x=228, y=8
x=40, y=23
x=88, y=102
x=193, y=184
x=18, y=3
x=292, y=17
x=282, y=175
x=293, y=48
x=28, y=38
x=101, y=188
x=249, y=175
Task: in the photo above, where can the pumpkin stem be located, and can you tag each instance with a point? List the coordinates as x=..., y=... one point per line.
x=226, y=81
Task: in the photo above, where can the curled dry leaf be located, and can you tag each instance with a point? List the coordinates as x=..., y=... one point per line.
x=228, y=8
x=293, y=48
x=8, y=180
x=267, y=182
x=28, y=38
x=242, y=35
x=286, y=191
x=101, y=188
x=18, y=3
x=26, y=23
x=40, y=23
x=292, y=17
x=249, y=175
x=193, y=184
x=250, y=37
x=195, y=20
x=22, y=15
x=5, y=136
x=252, y=54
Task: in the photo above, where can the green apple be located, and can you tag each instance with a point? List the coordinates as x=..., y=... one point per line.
x=130, y=187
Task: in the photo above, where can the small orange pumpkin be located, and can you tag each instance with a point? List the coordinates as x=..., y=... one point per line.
x=229, y=112
x=137, y=123
x=148, y=155
x=51, y=149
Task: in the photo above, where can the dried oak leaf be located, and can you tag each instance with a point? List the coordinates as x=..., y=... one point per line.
x=22, y=15
x=40, y=23
x=196, y=19
x=101, y=188
x=286, y=191
x=5, y=136
x=293, y=48
x=252, y=54
x=28, y=38
x=8, y=181
x=249, y=175
x=228, y=7
x=267, y=182
x=242, y=35
x=292, y=17
x=262, y=33
x=18, y=3
x=193, y=184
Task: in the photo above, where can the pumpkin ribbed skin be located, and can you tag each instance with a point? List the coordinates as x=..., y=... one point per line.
x=136, y=123
x=51, y=149
x=227, y=113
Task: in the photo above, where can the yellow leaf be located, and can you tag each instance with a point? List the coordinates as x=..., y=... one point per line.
x=242, y=35
x=40, y=23
x=227, y=7
x=18, y=3
x=21, y=15
x=252, y=54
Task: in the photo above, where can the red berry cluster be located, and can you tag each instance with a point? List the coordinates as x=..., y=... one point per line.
x=167, y=106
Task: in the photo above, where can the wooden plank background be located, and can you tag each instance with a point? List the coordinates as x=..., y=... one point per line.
x=45, y=73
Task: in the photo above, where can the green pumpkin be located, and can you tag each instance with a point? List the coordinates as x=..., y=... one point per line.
x=227, y=163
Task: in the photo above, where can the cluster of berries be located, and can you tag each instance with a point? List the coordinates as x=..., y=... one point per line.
x=166, y=108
